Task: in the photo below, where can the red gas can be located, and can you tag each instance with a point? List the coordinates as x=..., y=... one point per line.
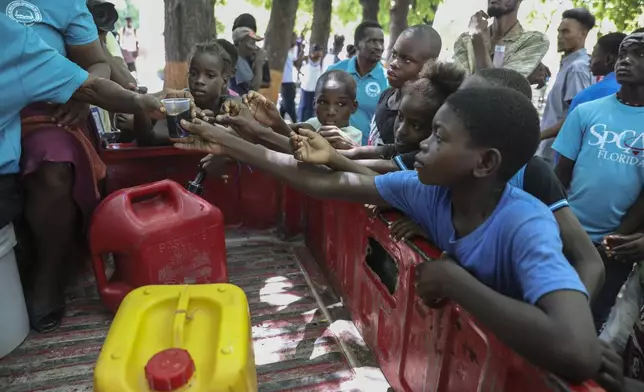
x=157, y=233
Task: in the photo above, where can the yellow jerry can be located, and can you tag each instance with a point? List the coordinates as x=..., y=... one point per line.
x=187, y=338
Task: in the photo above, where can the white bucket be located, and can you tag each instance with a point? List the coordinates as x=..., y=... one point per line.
x=14, y=321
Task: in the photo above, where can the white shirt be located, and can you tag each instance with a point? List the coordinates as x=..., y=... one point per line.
x=289, y=68
x=328, y=61
x=312, y=72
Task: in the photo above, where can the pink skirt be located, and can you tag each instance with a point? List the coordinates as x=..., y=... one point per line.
x=54, y=144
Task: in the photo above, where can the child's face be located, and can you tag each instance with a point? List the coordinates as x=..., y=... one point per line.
x=333, y=106
x=207, y=78
x=448, y=157
x=407, y=59
x=412, y=125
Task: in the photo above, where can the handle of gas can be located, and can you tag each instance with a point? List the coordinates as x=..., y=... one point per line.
x=104, y=286
x=167, y=187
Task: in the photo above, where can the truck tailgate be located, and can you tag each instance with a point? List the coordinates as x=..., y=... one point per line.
x=303, y=335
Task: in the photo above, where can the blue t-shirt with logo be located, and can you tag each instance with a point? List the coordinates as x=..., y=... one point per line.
x=605, y=139
x=607, y=86
x=370, y=86
x=517, y=251
x=31, y=71
x=57, y=22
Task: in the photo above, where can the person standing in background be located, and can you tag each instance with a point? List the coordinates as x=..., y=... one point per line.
x=289, y=87
x=602, y=64
x=573, y=76
x=311, y=72
x=333, y=57
x=248, y=74
x=505, y=44
x=129, y=44
x=259, y=60
x=366, y=68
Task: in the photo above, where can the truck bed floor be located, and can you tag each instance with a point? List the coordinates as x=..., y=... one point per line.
x=303, y=337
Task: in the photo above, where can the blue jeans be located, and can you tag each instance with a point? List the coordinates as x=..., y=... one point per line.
x=307, y=106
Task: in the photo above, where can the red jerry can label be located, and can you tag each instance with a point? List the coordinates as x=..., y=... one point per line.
x=157, y=233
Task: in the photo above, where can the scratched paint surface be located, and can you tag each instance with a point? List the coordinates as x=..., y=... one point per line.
x=303, y=338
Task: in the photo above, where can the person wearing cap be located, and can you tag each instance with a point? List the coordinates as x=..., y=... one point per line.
x=251, y=60
x=105, y=17
x=311, y=72
x=248, y=20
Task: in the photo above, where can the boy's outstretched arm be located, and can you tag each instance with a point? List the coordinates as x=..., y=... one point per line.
x=312, y=180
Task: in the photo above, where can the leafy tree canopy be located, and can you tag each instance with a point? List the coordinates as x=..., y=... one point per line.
x=624, y=13
x=346, y=11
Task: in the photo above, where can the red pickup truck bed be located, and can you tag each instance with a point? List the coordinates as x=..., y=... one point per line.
x=304, y=334
x=303, y=337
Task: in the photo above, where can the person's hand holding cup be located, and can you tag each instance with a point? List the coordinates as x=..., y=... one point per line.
x=177, y=109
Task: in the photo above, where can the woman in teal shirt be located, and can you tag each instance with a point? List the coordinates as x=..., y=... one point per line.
x=56, y=170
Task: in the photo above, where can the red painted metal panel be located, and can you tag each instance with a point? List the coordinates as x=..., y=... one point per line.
x=418, y=349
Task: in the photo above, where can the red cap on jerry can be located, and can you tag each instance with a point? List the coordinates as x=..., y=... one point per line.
x=169, y=369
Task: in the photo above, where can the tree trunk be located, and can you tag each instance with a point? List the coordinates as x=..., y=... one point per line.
x=278, y=39
x=321, y=22
x=187, y=22
x=398, y=21
x=370, y=9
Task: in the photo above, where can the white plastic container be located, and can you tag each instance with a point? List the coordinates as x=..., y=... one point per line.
x=14, y=321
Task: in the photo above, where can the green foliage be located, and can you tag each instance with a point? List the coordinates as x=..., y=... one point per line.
x=347, y=11
x=624, y=13
x=305, y=5
x=421, y=11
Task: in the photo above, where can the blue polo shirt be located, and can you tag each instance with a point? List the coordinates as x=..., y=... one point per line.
x=31, y=71
x=605, y=87
x=370, y=87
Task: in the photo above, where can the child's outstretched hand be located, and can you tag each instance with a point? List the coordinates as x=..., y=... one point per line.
x=295, y=126
x=308, y=146
x=262, y=109
x=338, y=139
x=405, y=228
x=204, y=137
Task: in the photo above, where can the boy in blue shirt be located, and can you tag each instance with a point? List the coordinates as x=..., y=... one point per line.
x=507, y=267
x=366, y=68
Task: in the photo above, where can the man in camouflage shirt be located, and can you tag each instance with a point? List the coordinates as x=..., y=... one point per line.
x=504, y=44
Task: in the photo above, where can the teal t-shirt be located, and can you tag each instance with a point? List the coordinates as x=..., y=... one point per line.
x=31, y=71
x=57, y=22
x=605, y=139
